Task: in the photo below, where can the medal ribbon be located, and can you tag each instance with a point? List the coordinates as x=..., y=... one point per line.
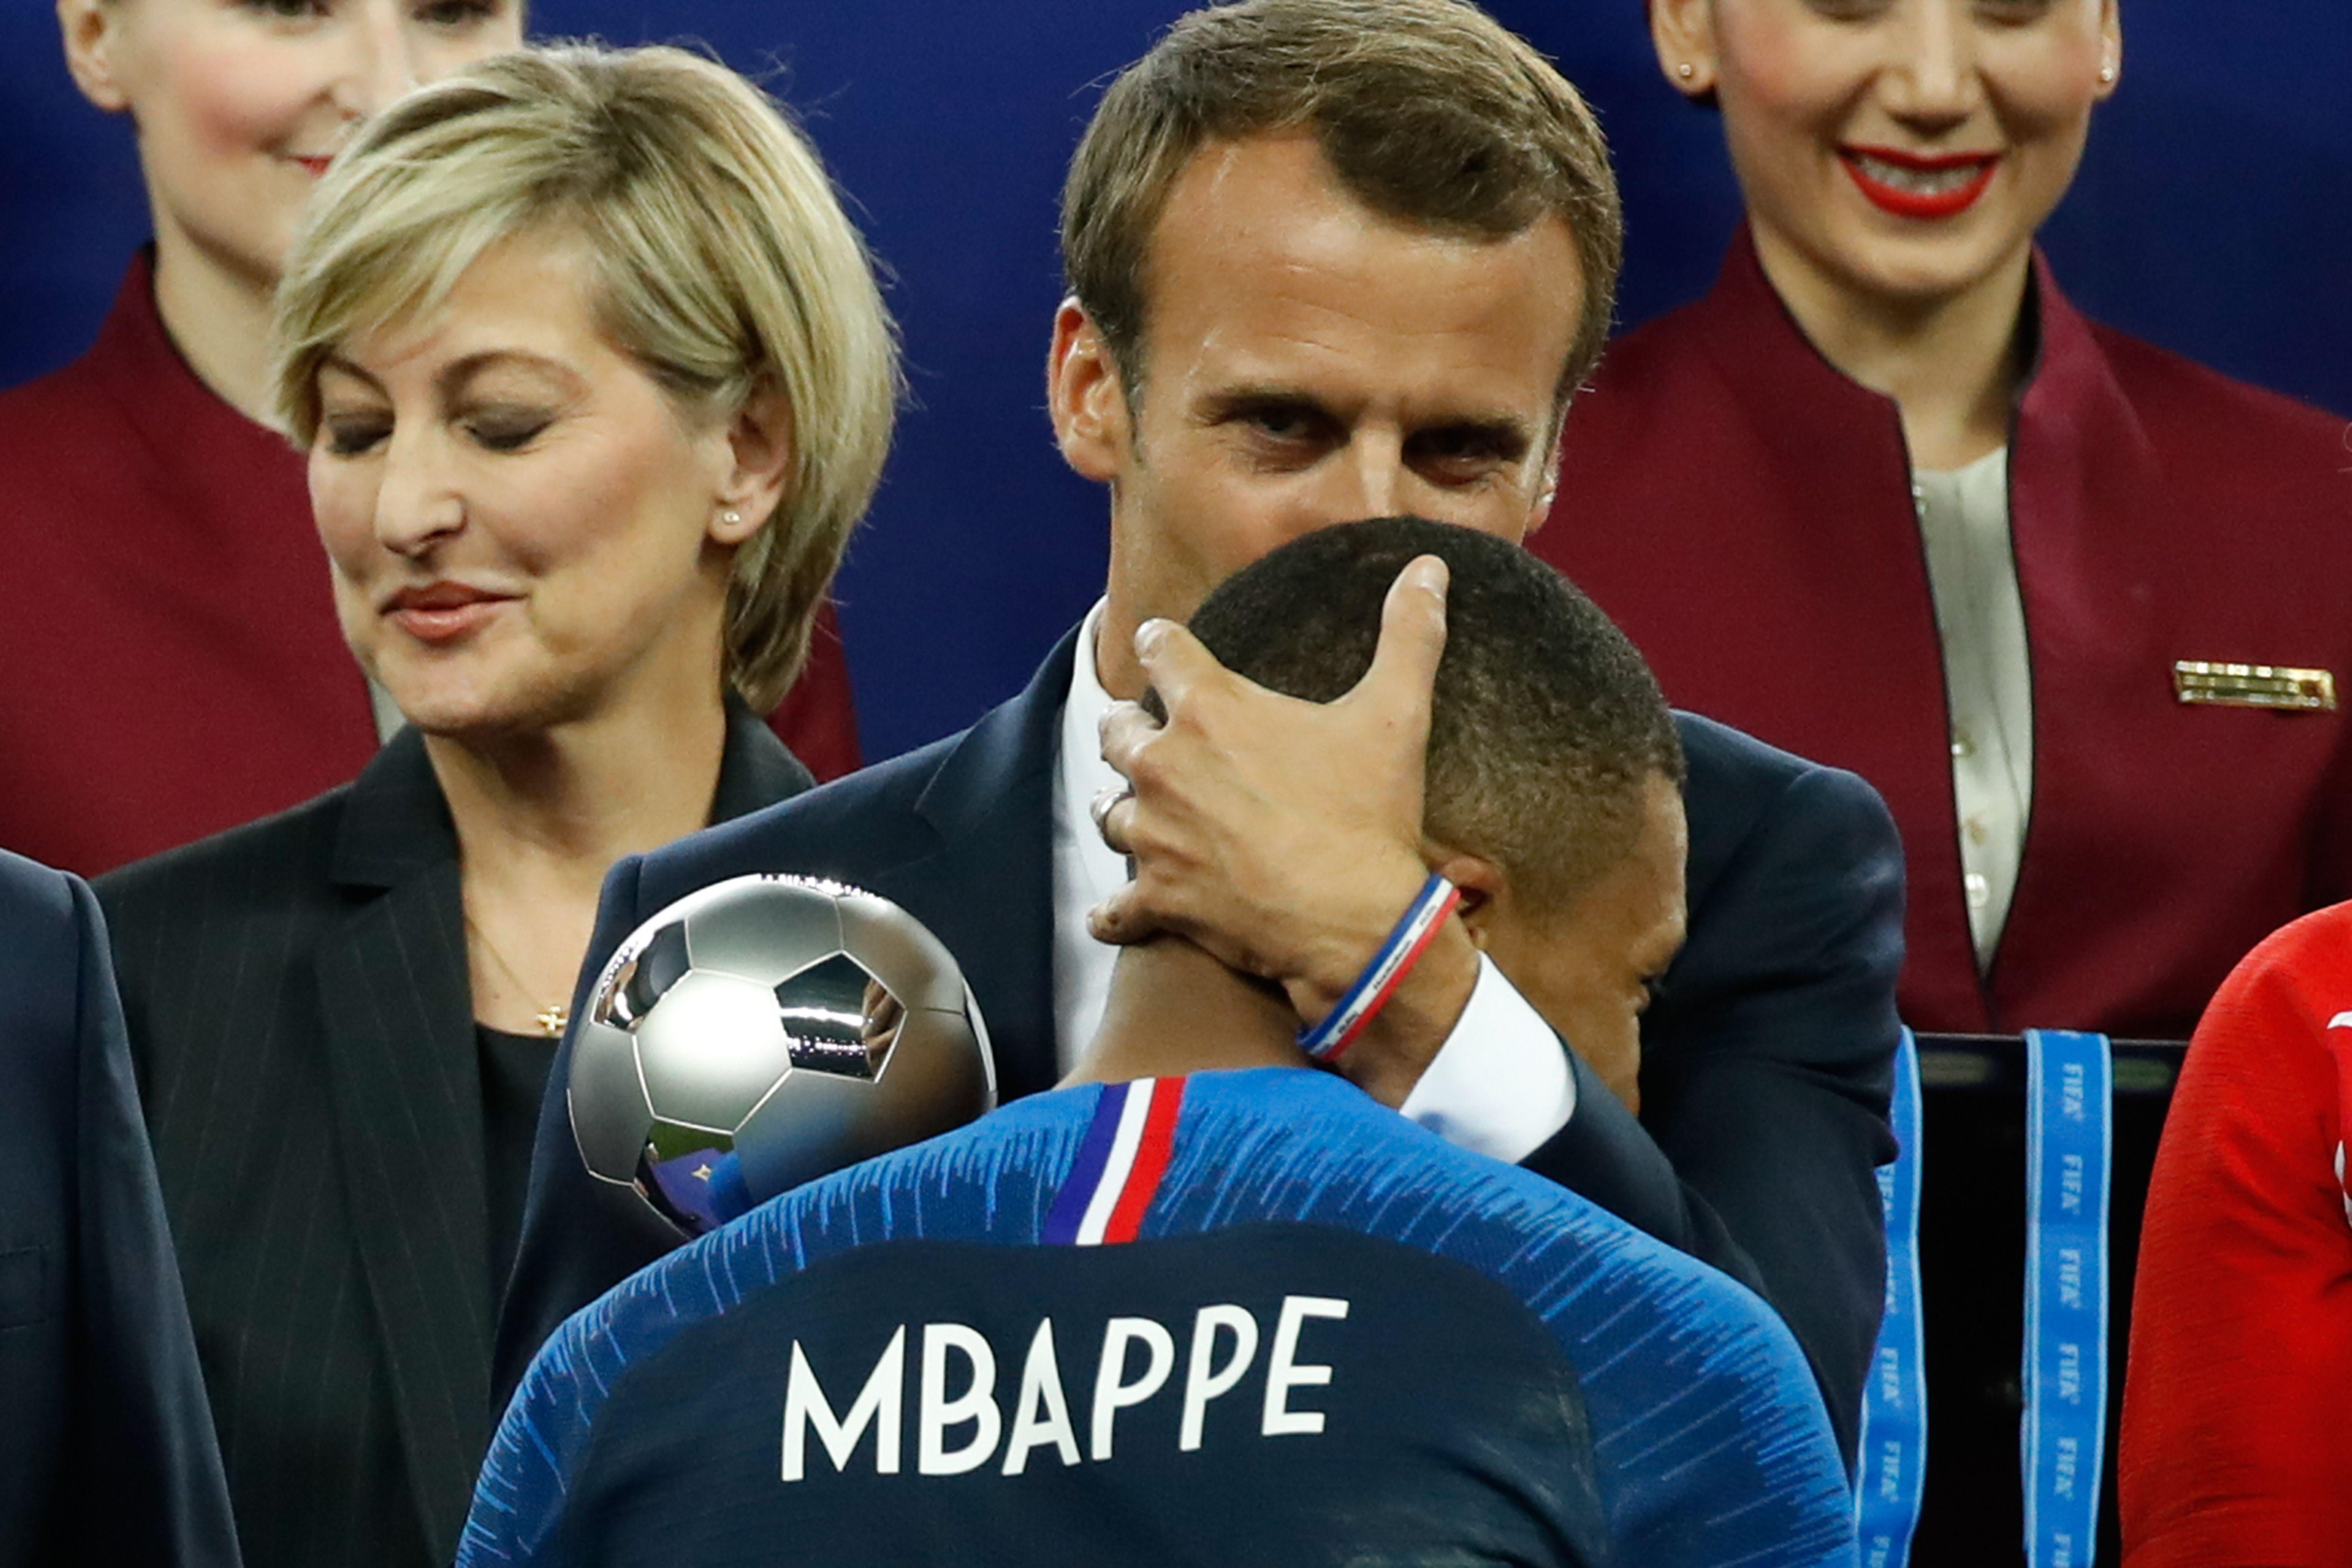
x=1891, y=1476
x=2069, y=1138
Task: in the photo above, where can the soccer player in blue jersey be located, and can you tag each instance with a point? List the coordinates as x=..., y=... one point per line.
x=1206, y=1303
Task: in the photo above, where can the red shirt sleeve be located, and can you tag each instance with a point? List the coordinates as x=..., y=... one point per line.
x=816, y=719
x=2240, y=1386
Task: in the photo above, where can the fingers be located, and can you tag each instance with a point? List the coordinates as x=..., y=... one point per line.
x=1122, y=920
x=1174, y=661
x=1413, y=640
x=1125, y=729
x=1412, y=635
x=1114, y=813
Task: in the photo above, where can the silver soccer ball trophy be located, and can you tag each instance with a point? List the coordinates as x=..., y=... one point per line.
x=762, y=1032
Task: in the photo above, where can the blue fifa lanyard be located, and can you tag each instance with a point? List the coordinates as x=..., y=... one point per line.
x=1892, y=1474
x=2069, y=1135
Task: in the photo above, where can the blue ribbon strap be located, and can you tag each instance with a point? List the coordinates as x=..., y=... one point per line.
x=1892, y=1476
x=2069, y=1133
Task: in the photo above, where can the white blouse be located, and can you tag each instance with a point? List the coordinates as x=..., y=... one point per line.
x=1988, y=678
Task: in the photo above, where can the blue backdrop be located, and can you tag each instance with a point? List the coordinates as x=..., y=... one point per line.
x=2214, y=215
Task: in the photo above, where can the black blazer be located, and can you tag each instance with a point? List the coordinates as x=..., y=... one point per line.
x=302, y=1018
x=106, y=1448
x=1766, y=1057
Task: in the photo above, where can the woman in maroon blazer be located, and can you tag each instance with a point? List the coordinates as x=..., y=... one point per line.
x=169, y=664
x=2076, y=605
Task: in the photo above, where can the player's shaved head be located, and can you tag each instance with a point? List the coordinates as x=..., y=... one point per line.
x=1545, y=728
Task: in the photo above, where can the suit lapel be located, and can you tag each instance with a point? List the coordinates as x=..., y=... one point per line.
x=756, y=770
x=396, y=1001
x=988, y=891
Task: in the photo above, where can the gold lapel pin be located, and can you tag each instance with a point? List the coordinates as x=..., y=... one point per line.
x=2197, y=680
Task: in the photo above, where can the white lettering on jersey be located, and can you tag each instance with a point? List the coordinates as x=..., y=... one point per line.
x=1043, y=1413
x=935, y=1412
x=1221, y=1354
x=805, y=1405
x=1113, y=1392
x=1284, y=1372
x=1203, y=1381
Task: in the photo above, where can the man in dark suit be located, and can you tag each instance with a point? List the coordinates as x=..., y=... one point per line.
x=1685, y=1429
x=106, y=1448
x=1381, y=253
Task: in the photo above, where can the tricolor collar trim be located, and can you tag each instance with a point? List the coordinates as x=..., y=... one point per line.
x=1120, y=1163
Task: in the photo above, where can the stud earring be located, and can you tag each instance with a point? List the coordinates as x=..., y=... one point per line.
x=730, y=517
x=2107, y=75
x=1686, y=71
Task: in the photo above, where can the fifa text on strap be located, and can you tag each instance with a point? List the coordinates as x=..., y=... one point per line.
x=1328, y=1040
x=2069, y=1145
x=1891, y=1479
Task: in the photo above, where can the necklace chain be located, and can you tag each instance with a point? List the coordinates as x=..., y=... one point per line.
x=552, y=1020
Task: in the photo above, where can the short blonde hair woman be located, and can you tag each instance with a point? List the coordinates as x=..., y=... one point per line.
x=595, y=379
x=717, y=258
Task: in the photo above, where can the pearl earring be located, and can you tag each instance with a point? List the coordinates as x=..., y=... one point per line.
x=730, y=517
x=1686, y=71
x=2107, y=75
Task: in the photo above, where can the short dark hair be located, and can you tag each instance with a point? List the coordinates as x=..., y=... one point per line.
x=1429, y=112
x=1545, y=728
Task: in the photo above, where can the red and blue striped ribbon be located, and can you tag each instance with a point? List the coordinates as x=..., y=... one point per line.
x=1328, y=1040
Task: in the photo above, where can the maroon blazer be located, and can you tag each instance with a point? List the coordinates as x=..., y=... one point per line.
x=1744, y=511
x=170, y=662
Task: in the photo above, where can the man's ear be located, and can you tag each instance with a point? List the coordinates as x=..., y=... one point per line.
x=1087, y=396
x=1548, y=492
x=761, y=453
x=1486, y=888
x=1684, y=33
x=91, y=29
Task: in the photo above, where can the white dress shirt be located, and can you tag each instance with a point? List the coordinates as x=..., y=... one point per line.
x=388, y=716
x=1988, y=678
x=1500, y=1085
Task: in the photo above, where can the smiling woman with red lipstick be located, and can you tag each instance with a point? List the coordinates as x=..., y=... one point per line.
x=144, y=489
x=593, y=379
x=1886, y=498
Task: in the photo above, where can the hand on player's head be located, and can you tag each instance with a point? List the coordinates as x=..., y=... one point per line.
x=1275, y=832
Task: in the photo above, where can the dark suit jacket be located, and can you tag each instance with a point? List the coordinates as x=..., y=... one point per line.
x=106, y=1446
x=301, y=1010
x=1765, y=1076
x=1744, y=511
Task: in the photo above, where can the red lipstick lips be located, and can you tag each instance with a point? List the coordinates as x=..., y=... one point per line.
x=1944, y=198
x=442, y=612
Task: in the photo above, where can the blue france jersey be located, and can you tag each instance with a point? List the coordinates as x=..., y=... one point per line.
x=1232, y=1318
